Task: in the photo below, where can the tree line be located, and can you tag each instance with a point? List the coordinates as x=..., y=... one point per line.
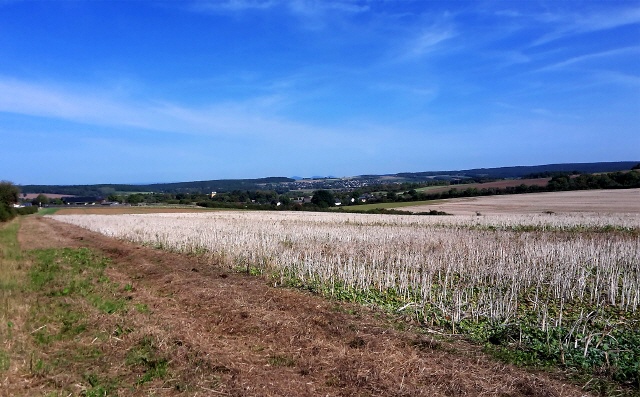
x=325, y=198
x=402, y=192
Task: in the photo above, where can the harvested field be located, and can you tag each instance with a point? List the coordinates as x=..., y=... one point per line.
x=31, y=196
x=502, y=184
x=523, y=281
x=108, y=210
x=216, y=332
x=582, y=201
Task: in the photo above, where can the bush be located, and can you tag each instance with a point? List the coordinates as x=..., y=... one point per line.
x=27, y=210
x=6, y=212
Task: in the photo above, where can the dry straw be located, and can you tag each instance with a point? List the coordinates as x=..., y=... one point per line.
x=463, y=267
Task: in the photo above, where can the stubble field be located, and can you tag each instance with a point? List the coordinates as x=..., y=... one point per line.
x=192, y=303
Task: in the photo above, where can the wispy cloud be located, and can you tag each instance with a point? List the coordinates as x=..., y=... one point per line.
x=428, y=40
x=568, y=24
x=428, y=93
x=425, y=42
x=620, y=78
x=589, y=57
x=47, y=101
x=306, y=8
x=248, y=119
x=233, y=5
x=314, y=7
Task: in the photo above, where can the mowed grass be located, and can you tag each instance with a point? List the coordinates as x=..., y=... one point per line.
x=59, y=316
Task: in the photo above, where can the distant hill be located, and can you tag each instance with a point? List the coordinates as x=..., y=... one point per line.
x=526, y=171
x=219, y=185
x=282, y=184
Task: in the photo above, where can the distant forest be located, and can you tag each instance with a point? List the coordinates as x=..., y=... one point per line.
x=104, y=190
x=282, y=184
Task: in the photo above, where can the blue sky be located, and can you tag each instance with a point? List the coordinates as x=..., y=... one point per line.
x=164, y=91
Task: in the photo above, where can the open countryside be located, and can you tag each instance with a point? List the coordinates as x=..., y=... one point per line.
x=344, y=198
x=543, y=279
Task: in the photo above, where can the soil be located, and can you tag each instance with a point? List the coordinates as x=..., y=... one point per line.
x=501, y=184
x=233, y=334
x=582, y=201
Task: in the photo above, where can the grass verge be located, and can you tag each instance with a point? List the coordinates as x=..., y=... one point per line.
x=67, y=329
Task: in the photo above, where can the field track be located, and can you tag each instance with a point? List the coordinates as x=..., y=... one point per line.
x=231, y=334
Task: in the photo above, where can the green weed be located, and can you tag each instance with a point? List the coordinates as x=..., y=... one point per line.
x=278, y=360
x=98, y=386
x=5, y=360
x=145, y=355
x=9, y=247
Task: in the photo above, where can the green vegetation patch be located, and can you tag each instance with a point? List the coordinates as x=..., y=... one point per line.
x=146, y=356
x=5, y=360
x=9, y=247
x=47, y=211
x=76, y=273
x=60, y=314
x=599, y=346
x=367, y=207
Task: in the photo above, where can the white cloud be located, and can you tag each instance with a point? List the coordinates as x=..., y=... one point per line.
x=251, y=118
x=47, y=101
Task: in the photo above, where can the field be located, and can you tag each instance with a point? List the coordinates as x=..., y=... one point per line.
x=582, y=201
x=108, y=210
x=487, y=185
x=288, y=303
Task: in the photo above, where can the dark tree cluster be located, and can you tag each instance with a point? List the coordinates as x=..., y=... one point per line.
x=613, y=180
x=9, y=195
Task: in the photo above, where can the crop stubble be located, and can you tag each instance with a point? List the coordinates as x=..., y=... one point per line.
x=229, y=334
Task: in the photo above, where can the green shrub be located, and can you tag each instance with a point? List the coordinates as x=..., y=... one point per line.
x=6, y=212
x=27, y=210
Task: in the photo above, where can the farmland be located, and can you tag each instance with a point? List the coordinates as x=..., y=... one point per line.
x=501, y=184
x=149, y=301
x=87, y=315
x=583, y=201
x=561, y=289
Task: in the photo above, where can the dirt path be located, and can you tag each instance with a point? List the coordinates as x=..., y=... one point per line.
x=232, y=334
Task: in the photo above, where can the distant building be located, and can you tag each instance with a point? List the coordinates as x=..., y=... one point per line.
x=82, y=200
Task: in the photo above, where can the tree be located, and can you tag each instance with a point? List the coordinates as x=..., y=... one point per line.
x=115, y=198
x=284, y=200
x=391, y=196
x=9, y=194
x=323, y=198
x=40, y=200
x=135, y=199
